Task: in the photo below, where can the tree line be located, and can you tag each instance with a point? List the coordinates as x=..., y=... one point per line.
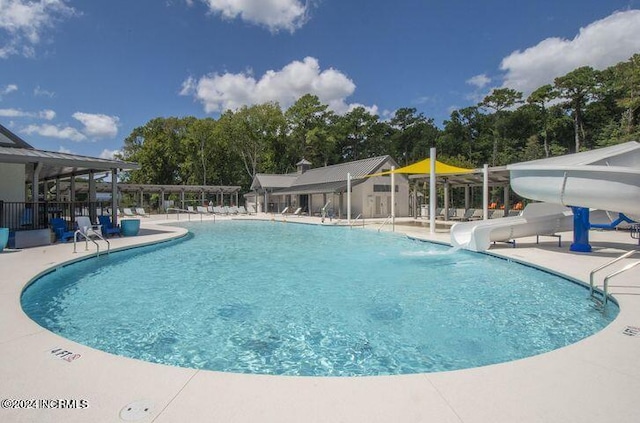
x=584, y=109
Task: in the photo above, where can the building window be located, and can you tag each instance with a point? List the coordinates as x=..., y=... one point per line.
x=383, y=188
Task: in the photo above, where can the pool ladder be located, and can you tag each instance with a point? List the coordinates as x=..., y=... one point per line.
x=87, y=238
x=601, y=303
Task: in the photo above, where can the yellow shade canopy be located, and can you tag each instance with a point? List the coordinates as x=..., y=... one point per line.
x=424, y=167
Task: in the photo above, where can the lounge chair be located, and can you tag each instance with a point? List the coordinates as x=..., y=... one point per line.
x=286, y=209
x=190, y=209
x=59, y=227
x=233, y=210
x=477, y=214
x=107, y=226
x=242, y=210
x=464, y=216
x=140, y=212
x=298, y=211
x=218, y=210
x=496, y=214
x=87, y=228
x=127, y=212
x=202, y=210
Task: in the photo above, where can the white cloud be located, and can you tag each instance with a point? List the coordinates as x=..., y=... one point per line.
x=47, y=114
x=39, y=92
x=600, y=44
x=98, y=125
x=274, y=14
x=17, y=113
x=53, y=131
x=479, y=81
x=65, y=150
x=23, y=23
x=218, y=92
x=108, y=154
x=8, y=88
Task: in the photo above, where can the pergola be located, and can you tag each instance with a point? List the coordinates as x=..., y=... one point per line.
x=433, y=172
x=220, y=191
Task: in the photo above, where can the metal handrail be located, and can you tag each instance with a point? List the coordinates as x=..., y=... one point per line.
x=87, y=239
x=605, y=289
x=384, y=223
x=597, y=269
x=353, y=222
x=606, y=279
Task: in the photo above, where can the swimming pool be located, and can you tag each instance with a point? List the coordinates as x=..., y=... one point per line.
x=274, y=298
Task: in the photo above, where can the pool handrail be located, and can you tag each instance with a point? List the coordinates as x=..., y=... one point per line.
x=606, y=279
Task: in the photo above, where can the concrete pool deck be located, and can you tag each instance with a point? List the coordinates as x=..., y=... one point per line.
x=594, y=380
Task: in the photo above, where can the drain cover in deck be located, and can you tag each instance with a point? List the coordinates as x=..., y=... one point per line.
x=136, y=410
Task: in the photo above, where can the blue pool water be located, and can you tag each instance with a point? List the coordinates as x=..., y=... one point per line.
x=288, y=299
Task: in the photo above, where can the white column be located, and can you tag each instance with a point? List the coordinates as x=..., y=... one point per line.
x=114, y=197
x=348, y=198
x=432, y=190
x=485, y=192
x=446, y=199
x=393, y=198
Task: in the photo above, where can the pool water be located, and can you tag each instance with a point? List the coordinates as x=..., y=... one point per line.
x=290, y=299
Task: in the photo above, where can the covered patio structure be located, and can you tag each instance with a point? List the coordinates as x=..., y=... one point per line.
x=434, y=172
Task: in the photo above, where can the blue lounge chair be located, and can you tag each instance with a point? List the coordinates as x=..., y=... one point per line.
x=107, y=226
x=59, y=227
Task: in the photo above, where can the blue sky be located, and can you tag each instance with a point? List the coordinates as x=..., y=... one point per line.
x=78, y=76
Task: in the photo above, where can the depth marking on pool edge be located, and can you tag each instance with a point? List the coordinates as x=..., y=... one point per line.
x=64, y=355
x=631, y=331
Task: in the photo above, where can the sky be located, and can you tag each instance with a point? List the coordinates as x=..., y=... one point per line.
x=79, y=76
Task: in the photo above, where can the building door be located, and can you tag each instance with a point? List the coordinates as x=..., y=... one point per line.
x=304, y=203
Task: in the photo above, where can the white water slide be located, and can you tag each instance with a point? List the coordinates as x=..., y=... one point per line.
x=605, y=179
x=536, y=219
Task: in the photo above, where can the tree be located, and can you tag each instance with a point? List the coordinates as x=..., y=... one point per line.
x=628, y=80
x=358, y=134
x=541, y=98
x=308, y=131
x=157, y=148
x=578, y=87
x=251, y=132
x=498, y=101
x=412, y=133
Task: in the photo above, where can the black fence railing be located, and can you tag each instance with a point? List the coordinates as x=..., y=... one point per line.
x=23, y=216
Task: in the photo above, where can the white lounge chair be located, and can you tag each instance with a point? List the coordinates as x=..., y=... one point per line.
x=140, y=212
x=286, y=209
x=242, y=210
x=202, y=210
x=127, y=212
x=190, y=209
x=87, y=228
x=298, y=211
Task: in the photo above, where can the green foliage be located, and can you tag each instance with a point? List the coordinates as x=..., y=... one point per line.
x=583, y=109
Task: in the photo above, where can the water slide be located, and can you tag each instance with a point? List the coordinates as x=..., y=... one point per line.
x=605, y=179
x=536, y=219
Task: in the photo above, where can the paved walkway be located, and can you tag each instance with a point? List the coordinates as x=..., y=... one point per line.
x=595, y=380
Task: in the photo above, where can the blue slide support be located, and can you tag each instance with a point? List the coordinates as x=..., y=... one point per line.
x=580, y=230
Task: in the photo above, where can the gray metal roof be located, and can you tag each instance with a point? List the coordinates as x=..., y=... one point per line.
x=271, y=181
x=9, y=139
x=61, y=164
x=323, y=179
x=338, y=173
x=14, y=149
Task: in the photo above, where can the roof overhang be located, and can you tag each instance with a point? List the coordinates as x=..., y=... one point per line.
x=54, y=165
x=498, y=176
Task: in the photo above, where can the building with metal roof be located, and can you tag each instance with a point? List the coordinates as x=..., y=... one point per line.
x=311, y=190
